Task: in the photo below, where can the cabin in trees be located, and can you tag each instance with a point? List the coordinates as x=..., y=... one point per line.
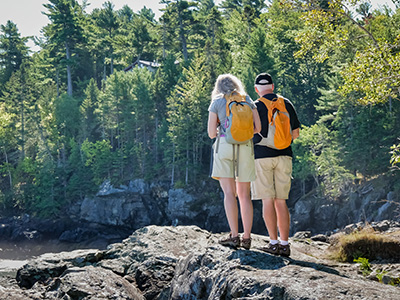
x=152, y=66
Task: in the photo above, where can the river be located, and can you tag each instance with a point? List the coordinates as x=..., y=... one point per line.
x=14, y=255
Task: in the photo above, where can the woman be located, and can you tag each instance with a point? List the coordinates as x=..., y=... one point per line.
x=223, y=166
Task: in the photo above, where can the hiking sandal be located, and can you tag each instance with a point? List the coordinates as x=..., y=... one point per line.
x=271, y=249
x=284, y=250
x=246, y=243
x=230, y=241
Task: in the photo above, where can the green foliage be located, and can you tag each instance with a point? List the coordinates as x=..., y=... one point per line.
x=380, y=274
x=365, y=243
x=98, y=157
x=365, y=266
x=67, y=116
x=361, y=130
x=90, y=121
x=64, y=32
x=339, y=69
x=12, y=51
x=187, y=119
x=317, y=155
x=361, y=76
x=373, y=75
x=395, y=155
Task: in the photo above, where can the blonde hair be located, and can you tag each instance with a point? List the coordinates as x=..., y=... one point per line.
x=226, y=84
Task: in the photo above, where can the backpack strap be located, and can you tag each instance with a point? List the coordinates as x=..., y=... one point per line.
x=218, y=134
x=233, y=97
x=278, y=104
x=235, y=161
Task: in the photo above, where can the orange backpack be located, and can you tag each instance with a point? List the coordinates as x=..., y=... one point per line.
x=239, y=128
x=279, y=130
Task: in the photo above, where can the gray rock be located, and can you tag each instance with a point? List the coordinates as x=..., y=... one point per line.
x=90, y=282
x=139, y=186
x=320, y=238
x=381, y=226
x=355, y=201
x=106, y=189
x=386, y=210
x=327, y=216
x=302, y=235
x=302, y=215
x=186, y=262
x=53, y=265
x=392, y=196
x=117, y=211
x=304, y=207
x=179, y=205
x=143, y=203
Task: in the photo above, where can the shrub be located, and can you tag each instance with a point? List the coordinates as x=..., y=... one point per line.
x=365, y=243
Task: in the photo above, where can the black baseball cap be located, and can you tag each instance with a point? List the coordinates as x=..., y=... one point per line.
x=263, y=79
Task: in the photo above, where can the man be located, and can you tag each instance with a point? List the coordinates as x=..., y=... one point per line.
x=274, y=170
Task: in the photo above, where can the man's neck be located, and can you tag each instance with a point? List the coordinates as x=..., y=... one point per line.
x=266, y=93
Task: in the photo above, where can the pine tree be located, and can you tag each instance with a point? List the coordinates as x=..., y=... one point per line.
x=107, y=21
x=179, y=21
x=188, y=110
x=136, y=36
x=64, y=31
x=12, y=51
x=90, y=123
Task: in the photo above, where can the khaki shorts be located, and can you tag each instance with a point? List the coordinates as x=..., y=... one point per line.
x=223, y=161
x=274, y=176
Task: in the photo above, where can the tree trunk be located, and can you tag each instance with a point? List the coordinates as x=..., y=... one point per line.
x=69, y=76
x=64, y=178
x=144, y=150
x=22, y=128
x=8, y=168
x=164, y=51
x=187, y=161
x=194, y=158
x=173, y=165
x=42, y=137
x=58, y=82
x=104, y=71
x=183, y=39
x=156, y=140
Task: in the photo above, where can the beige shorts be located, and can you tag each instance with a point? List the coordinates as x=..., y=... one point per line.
x=223, y=161
x=274, y=176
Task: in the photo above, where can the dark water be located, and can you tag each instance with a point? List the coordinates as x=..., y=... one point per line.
x=29, y=249
x=14, y=255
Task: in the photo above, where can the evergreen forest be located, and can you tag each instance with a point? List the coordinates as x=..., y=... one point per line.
x=118, y=95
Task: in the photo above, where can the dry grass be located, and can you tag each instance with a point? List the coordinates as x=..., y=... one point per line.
x=365, y=243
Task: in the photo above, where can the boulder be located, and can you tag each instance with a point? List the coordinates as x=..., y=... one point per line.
x=186, y=262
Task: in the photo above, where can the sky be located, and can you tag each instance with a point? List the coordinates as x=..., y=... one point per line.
x=27, y=14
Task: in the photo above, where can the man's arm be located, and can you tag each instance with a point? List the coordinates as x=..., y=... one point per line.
x=257, y=121
x=295, y=133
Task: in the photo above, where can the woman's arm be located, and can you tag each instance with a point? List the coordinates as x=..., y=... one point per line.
x=257, y=121
x=212, y=124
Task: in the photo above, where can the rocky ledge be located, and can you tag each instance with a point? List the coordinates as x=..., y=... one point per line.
x=186, y=262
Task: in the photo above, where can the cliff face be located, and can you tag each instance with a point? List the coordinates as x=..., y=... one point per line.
x=186, y=262
x=141, y=204
x=114, y=213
